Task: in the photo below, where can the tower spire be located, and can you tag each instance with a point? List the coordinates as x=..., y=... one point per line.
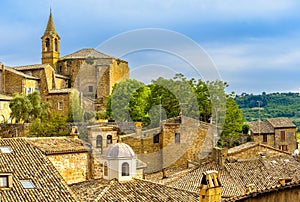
x=50, y=29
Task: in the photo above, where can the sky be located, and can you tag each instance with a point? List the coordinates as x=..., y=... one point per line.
x=252, y=44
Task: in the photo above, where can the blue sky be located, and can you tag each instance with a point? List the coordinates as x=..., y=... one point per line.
x=254, y=44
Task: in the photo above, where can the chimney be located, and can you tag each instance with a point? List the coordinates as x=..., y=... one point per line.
x=219, y=155
x=210, y=188
x=74, y=132
x=139, y=134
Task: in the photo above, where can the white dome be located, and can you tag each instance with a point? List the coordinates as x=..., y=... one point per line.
x=118, y=150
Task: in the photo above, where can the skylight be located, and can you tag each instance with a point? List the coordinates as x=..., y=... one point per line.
x=5, y=149
x=27, y=184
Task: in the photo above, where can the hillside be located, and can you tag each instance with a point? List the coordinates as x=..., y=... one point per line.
x=270, y=106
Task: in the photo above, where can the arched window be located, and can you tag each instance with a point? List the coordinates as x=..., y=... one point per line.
x=47, y=43
x=105, y=169
x=109, y=139
x=55, y=45
x=99, y=141
x=125, y=169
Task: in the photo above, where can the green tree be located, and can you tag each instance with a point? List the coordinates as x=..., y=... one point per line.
x=21, y=108
x=75, y=111
x=233, y=123
x=55, y=125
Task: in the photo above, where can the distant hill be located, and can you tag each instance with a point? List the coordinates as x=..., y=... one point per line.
x=270, y=106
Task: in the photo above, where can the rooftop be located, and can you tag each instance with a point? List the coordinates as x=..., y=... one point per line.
x=281, y=123
x=27, y=163
x=87, y=53
x=58, y=145
x=118, y=150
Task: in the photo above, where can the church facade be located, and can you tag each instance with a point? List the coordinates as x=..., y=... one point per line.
x=88, y=74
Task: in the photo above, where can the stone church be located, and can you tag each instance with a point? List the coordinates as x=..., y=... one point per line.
x=87, y=74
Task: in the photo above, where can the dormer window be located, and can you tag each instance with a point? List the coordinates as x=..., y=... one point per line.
x=5, y=180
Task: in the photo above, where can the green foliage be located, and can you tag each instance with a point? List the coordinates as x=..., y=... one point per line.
x=245, y=128
x=233, y=124
x=54, y=125
x=75, y=112
x=28, y=108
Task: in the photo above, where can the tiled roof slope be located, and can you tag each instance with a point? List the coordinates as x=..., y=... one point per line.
x=191, y=181
x=58, y=145
x=263, y=173
x=88, y=191
x=13, y=70
x=261, y=127
x=281, y=123
x=27, y=163
x=86, y=53
x=31, y=67
x=141, y=190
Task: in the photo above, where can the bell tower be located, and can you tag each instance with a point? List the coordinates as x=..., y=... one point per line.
x=50, y=44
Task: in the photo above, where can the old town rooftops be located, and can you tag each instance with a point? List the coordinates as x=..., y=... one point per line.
x=58, y=145
x=264, y=173
x=29, y=166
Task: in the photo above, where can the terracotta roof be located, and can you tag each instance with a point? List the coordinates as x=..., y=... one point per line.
x=31, y=67
x=142, y=190
x=27, y=163
x=261, y=127
x=54, y=145
x=87, y=53
x=264, y=173
x=281, y=123
x=20, y=73
x=88, y=191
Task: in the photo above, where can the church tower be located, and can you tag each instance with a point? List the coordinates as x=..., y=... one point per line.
x=50, y=44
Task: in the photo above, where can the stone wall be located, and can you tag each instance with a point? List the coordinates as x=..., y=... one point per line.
x=290, y=138
x=270, y=139
x=73, y=167
x=55, y=98
x=14, y=130
x=13, y=82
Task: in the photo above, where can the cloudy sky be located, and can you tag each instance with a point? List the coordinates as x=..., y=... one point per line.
x=253, y=44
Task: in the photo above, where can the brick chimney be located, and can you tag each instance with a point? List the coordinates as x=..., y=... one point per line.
x=219, y=155
x=74, y=132
x=210, y=188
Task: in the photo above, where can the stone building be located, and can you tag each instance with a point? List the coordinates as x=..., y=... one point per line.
x=276, y=132
x=88, y=71
x=4, y=108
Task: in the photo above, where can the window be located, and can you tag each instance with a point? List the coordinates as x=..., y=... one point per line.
x=156, y=138
x=90, y=88
x=5, y=149
x=108, y=139
x=282, y=136
x=283, y=147
x=60, y=106
x=60, y=69
x=125, y=169
x=55, y=45
x=99, y=141
x=177, y=137
x=105, y=169
x=265, y=138
x=27, y=184
x=47, y=43
x=4, y=181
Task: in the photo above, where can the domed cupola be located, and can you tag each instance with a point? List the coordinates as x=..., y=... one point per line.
x=119, y=161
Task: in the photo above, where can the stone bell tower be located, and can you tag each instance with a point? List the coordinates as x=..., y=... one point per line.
x=50, y=44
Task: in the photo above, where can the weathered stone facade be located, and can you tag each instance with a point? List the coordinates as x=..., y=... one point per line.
x=73, y=167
